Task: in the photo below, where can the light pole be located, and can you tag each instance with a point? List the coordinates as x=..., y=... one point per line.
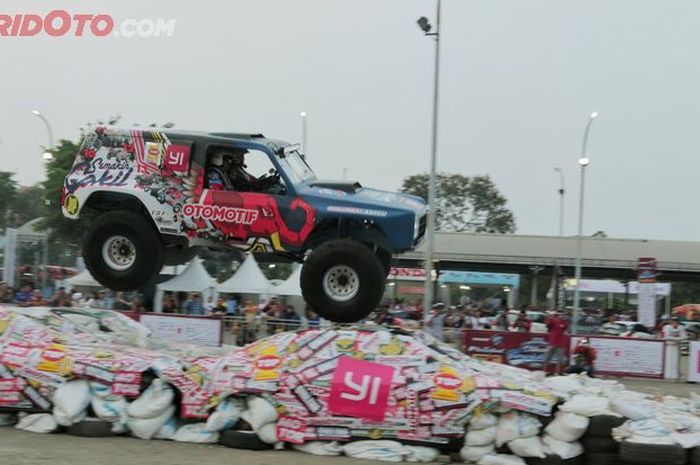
x=561, y=200
x=425, y=26
x=303, y=132
x=583, y=162
x=47, y=154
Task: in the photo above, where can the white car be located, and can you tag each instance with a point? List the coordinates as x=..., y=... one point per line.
x=625, y=329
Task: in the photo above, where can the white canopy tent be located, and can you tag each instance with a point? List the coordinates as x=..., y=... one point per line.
x=248, y=279
x=82, y=279
x=290, y=286
x=193, y=279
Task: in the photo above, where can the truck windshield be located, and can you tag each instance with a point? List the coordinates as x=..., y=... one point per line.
x=296, y=168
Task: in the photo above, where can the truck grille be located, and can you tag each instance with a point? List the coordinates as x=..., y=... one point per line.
x=422, y=225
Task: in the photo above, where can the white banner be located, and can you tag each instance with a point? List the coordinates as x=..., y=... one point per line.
x=646, y=305
x=625, y=356
x=10, y=258
x=615, y=287
x=694, y=362
x=194, y=330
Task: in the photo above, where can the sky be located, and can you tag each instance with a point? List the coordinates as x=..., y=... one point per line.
x=518, y=81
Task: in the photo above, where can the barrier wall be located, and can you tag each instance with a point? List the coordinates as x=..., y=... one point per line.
x=524, y=350
x=616, y=356
x=694, y=361
x=200, y=330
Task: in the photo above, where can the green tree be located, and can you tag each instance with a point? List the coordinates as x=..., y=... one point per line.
x=63, y=230
x=28, y=204
x=465, y=204
x=8, y=192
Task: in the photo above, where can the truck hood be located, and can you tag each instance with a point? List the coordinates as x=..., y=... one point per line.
x=352, y=193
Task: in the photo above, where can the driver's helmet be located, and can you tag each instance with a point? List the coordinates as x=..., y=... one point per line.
x=217, y=159
x=237, y=158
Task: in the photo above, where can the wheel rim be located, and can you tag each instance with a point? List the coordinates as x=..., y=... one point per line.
x=119, y=253
x=341, y=283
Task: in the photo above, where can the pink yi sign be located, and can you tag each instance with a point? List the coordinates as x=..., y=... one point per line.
x=360, y=389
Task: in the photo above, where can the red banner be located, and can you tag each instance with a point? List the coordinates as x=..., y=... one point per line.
x=523, y=350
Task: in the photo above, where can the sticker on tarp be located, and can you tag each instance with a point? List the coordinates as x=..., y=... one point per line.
x=360, y=389
x=539, y=405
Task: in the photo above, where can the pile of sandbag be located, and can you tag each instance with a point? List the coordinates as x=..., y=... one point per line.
x=364, y=393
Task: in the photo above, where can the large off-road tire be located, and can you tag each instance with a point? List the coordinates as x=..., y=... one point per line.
x=603, y=458
x=242, y=440
x=653, y=454
x=598, y=444
x=91, y=428
x=555, y=460
x=384, y=258
x=602, y=425
x=342, y=280
x=122, y=250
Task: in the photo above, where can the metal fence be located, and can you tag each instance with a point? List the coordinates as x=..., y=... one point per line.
x=238, y=330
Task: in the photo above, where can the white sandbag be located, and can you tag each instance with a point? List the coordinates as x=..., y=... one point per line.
x=420, y=454
x=516, y=425
x=634, y=409
x=227, y=414
x=387, y=451
x=501, y=459
x=7, y=419
x=259, y=413
x=168, y=430
x=567, y=427
x=658, y=440
x=565, y=450
x=481, y=437
x=483, y=421
x=686, y=440
x=196, y=432
x=586, y=406
x=37, y=423
x=110, y=408
x=268, y=433
x=153, y=402
x=146, y=428
x=564, y=386
x=70, y=402
x=527, y=447
x=650, y=427
x=100, y=390
x=319, y=448
x=473, y=454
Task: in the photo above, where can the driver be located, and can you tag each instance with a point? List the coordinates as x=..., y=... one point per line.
x=241, y=180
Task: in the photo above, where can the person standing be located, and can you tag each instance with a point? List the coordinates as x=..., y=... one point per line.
x=436, y=322
x=195, y=305
x=500, y=323
x=673, y=333
x=522, y=324
x=556, y=327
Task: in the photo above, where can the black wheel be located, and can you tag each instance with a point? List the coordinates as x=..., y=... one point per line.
x=122, y=250
x=242, y=440
x=600, y=444
x=653, y=454
x=603, y=458
x=91, y=428
x=342, y=280
x=602, y=425
x=384, y=258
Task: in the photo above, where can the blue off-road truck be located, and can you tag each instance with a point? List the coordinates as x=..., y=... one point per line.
x=161, y=195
